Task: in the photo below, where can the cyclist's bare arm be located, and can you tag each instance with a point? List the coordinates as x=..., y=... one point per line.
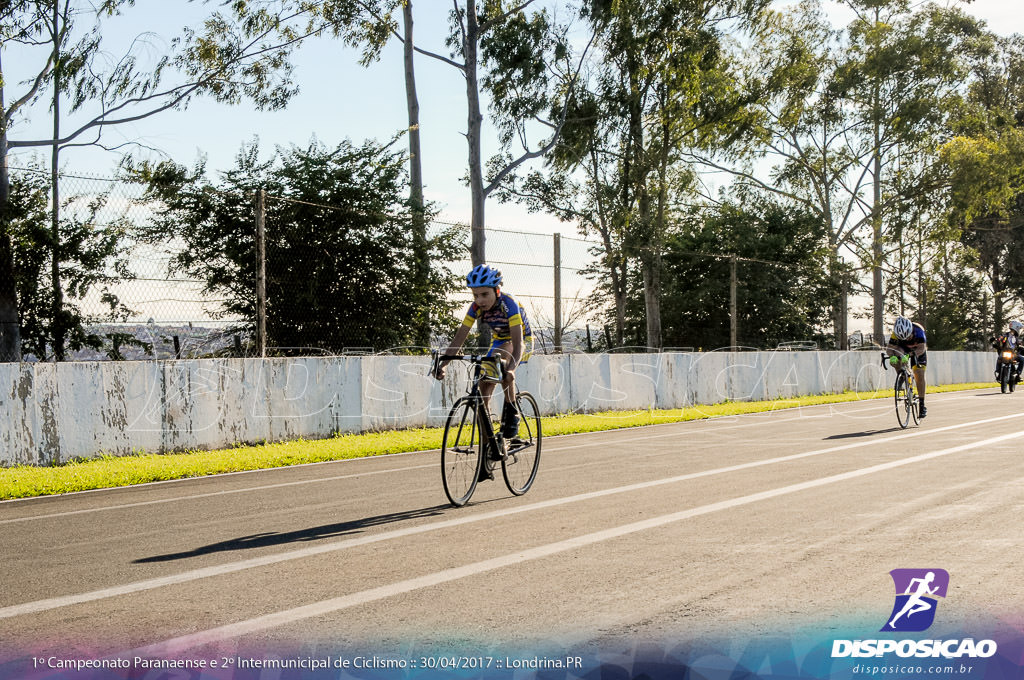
x=517, y=348
x=457, y=342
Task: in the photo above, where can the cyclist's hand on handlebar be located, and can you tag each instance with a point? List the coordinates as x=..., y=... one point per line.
x=441, y=362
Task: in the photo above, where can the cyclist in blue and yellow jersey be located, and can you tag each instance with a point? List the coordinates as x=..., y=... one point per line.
x=908, y=339
x=512, y=339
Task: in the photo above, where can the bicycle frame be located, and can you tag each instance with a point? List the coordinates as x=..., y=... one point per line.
x=909, y=398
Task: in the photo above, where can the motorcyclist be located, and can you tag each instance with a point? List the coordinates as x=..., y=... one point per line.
x=1010, y=340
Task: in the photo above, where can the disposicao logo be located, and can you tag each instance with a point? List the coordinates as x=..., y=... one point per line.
x=917, y=593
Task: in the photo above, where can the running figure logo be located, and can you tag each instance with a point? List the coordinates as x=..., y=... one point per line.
x=917, y=593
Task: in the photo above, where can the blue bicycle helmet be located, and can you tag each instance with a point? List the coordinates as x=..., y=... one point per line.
x=483, y=275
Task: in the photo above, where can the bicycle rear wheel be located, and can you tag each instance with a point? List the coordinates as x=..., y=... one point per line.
x=902, y=405
x=461, y=451
x=520, y=465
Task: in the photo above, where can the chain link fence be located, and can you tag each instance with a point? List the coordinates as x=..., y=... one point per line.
x=136, y=301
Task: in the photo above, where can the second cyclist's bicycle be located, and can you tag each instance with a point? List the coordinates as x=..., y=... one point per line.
x=905, y=390
x=473, y=446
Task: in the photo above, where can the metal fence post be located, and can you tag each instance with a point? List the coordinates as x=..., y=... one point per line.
x=558, y=292
x=732, y=302
x=261, y=274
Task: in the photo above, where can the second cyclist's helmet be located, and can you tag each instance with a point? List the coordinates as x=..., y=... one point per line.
x=1016, y=326
x=903, y=328
x=483, y=275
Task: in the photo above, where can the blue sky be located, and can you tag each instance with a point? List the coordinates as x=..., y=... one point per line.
x=338, y=99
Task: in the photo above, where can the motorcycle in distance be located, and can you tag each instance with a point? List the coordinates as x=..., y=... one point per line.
x=1007, y=370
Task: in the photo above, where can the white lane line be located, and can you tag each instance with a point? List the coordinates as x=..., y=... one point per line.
x=290, y=616
x=344, y=544
x=122, y=506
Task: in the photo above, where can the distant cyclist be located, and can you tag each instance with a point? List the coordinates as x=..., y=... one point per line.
x=512, y=337
x=1010, y=340
x=908, y=342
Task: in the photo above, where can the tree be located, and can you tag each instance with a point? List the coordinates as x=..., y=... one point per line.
x=955, y=300
x=851, y=122
x=985, y=163
x=783, y=293
x=226, y=61
x=798, y=125
x=901, y=77
x=581, y=188
x=338, y=244
x=664, y=84
x=89, y=253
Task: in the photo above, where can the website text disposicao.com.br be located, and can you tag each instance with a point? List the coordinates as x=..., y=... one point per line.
x=904, y=670
x=947, y=655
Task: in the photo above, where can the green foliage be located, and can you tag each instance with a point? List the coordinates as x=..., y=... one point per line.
x=985, y=163
x=339, y=246
x=956, y=318
x=91, y=256
x=783, y=291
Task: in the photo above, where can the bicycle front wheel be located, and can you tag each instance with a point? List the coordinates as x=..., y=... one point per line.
x=523, y=460
x=902, y=403
x=461, y=451
x=912, y=404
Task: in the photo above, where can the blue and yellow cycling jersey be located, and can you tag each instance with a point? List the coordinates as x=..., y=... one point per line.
x=505, y=314
x=916, y=345
x=917, y=337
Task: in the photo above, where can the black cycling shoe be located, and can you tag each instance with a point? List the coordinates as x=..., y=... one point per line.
x=922, y=411
x=498, y=453
x=486, y=474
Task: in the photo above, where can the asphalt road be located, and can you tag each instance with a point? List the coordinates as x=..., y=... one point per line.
x=783, y=521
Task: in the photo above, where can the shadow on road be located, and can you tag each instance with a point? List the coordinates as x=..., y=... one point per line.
x=865, y=433
x=303, y=535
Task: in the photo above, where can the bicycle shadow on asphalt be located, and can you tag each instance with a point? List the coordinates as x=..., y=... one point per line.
x=269, y=539
x=865, y=433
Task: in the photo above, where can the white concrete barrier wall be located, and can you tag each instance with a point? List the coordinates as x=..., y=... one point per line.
x=56, y=412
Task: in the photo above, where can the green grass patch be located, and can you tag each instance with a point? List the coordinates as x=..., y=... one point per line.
x=113, y=471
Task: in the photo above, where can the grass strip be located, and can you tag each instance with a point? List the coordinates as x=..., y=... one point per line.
x=108, y=471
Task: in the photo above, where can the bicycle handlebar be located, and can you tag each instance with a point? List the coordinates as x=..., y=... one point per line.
x=904, y=361
x=436, y=359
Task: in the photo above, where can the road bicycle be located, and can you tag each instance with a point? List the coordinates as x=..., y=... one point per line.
x=473, y=445
x=905, y=391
